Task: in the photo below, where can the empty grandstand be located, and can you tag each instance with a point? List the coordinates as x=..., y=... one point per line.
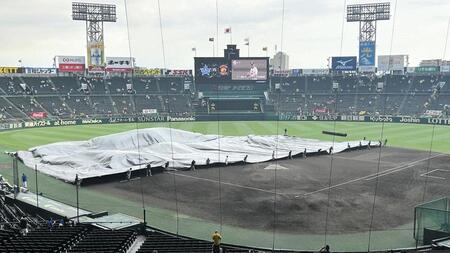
x=125, y=128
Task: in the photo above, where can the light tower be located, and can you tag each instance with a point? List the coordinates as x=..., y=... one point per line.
x=94, y=15
x=367, y=15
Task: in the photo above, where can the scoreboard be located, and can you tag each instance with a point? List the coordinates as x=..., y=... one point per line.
x=218, y=70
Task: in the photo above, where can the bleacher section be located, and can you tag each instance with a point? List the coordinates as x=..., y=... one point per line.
x=105, y=241
x=82, y=97
x=57, y=239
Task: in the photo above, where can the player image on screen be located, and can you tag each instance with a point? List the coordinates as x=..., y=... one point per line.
x=253, y=73
x=249, y=69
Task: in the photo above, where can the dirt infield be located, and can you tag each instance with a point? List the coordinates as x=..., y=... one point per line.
x=247, y=192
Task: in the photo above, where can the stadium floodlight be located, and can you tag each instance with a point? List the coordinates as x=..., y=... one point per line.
x=368, y=15
x=94, y=15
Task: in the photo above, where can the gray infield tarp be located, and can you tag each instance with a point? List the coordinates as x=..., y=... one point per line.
x=116, y=153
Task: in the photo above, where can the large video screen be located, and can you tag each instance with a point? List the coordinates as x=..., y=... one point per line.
x=249, y=69
x=212, y=70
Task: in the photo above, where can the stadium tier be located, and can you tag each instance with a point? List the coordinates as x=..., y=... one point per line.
x=25, y=98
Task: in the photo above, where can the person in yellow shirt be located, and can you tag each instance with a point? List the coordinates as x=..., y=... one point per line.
x=216, y=237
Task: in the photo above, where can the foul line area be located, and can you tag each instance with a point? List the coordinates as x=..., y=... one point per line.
x=427, y=174
x=401, y=167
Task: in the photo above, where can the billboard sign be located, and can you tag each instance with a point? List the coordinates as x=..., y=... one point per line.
x=96, y=57
x=70, y=63
x=283, y=73
x=391, y=62
x=119, y=64
x=249, y=69
x=149, y=111
x=38, y=115
x=45, y=71
x=212, y=69
x=429, y=69
x=343, y=63
x=445, y=68
x=296, y=72
x=10, y=70
x=366, y=53
x=178, y=72
x=147, y=72
x=315, y=71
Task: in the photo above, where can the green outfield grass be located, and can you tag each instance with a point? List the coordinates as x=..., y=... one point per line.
x=412, y=136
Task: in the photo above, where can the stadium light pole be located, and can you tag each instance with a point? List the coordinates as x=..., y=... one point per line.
x=94, y=15
x=367, y=15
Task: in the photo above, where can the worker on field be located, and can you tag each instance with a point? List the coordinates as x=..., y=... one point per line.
x=304, y=153
x=149, y=170
x=216, y=237
x=385, y=142
x=208, y=161
x=129, y=174
x=325, y=249
x=193, y=165
x=226, y=160
x=290, y=154
x=24, y=181
x=166, y=165
x=285, y=132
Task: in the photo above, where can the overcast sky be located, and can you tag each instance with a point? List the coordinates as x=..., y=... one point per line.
x=37, y=30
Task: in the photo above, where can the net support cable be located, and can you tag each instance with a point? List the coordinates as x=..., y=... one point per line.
x=133, y=96
x=383, y=95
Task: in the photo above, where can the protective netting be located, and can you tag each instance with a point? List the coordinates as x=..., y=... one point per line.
x=434, y=215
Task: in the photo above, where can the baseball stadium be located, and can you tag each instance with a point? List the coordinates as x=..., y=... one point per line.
x=236, y=153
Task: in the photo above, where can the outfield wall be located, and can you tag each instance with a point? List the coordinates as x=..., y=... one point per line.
x=167, y=118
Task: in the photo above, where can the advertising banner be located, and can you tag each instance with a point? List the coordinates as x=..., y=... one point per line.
x=38, y=115
x=147, y=72
x=296, y=72
x=50, y=71
x=320, y=110
x=284, y=73
x=70, y=63
x=391, y=62
x=10, y=70
x=366, y=53
x=96, y=57
x=429, y=69
x=178, y=72
x=410, y=69
x=445, y=69
x=343, y=63
x=315, y=71
x=433, y=113
x=119, y=64
x=149, y=111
